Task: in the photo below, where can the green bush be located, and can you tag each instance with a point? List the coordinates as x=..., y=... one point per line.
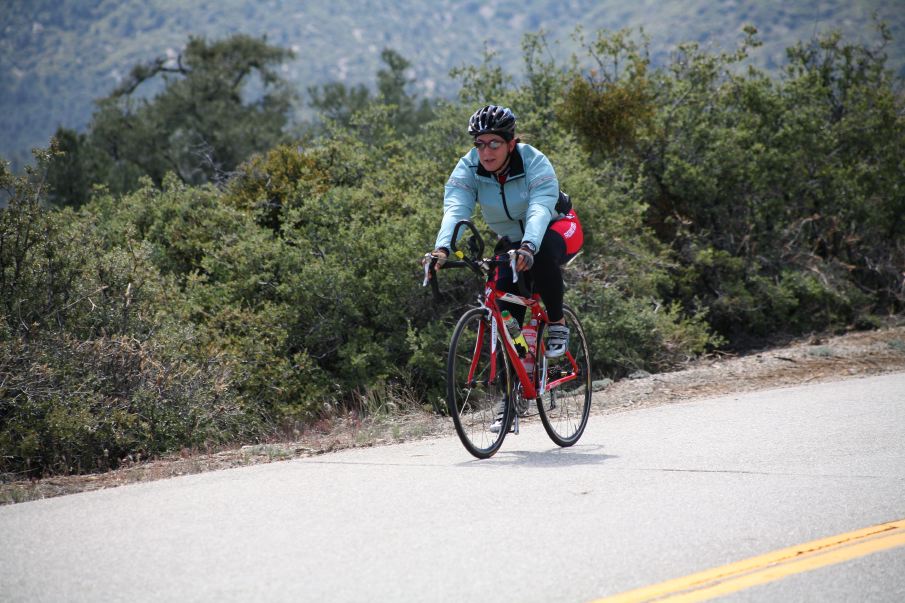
x=630, y=333
x=776, y=197
x=93, y=366
x=74, y=406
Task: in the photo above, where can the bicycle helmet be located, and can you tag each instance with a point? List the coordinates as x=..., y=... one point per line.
x=493, y=119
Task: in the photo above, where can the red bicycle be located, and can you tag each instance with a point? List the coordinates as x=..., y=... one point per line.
x=488, y=373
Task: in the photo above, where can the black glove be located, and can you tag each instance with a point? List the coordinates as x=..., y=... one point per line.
x=526, y=255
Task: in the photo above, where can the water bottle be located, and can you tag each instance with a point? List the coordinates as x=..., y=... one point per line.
x=530, y=335
x=515, y=334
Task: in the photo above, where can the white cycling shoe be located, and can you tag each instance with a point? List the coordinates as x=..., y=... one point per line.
x=557, y=341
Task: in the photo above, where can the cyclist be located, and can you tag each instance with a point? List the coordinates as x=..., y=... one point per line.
x=519, y=195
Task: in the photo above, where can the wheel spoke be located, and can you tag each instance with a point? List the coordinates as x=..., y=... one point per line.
x=477, y=382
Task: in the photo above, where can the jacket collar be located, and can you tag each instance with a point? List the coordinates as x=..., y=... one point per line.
x=516, y=166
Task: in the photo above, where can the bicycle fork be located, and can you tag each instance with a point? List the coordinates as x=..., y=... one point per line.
x=494, y=350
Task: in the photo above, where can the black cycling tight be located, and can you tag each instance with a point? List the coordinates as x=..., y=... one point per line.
x=545, y=275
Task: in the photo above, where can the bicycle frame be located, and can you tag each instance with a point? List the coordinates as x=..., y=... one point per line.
x=530, y=389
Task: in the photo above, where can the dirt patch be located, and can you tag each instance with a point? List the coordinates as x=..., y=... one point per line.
x=815, y=359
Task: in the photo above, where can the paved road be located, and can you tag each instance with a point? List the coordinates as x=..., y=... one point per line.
x=646, y=496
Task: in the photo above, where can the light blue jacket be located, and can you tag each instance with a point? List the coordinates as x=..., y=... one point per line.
x=521, y=209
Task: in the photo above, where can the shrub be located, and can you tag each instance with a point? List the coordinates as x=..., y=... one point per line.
x=92, y=365
x=73, y=406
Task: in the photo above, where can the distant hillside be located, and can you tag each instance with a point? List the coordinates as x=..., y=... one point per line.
x=57, y=57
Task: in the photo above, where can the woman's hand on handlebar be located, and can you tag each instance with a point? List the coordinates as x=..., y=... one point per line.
x=438, y=254
x=524, y=258
x=437, y=257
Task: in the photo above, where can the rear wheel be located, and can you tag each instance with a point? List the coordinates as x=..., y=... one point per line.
x=565, y=405
x=477, y=385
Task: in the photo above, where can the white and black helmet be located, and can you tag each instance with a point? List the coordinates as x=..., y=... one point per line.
x=493, y=119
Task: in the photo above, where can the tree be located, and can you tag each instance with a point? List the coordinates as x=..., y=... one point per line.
x=613, y=101
x=72, y=163
x=340, y=103
x=220, y=102
x=337, y=102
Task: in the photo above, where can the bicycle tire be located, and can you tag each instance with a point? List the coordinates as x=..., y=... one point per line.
x=471, y=403
x=564, y=410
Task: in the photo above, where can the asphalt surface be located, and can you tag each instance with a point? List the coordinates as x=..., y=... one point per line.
x=646, y=496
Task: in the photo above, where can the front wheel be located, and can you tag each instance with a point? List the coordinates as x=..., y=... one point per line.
x=478, y=384
x=565, y=404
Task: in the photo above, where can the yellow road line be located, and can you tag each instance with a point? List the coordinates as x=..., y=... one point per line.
x=769, y=567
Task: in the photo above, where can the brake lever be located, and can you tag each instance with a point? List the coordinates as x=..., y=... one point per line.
x=512, y=256
x=430, y=272
x=427, y=269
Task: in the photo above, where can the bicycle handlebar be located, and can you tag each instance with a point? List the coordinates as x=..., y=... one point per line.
x=475, y=244
x=478, y=266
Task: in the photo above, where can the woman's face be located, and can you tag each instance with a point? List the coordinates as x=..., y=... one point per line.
x=493, y=159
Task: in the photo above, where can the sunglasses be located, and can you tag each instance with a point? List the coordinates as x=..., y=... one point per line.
x=493, y=144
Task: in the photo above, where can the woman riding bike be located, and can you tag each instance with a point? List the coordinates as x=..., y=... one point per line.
x=518, y=191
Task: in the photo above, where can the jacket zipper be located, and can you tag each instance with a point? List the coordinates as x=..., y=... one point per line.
x=506, y=207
